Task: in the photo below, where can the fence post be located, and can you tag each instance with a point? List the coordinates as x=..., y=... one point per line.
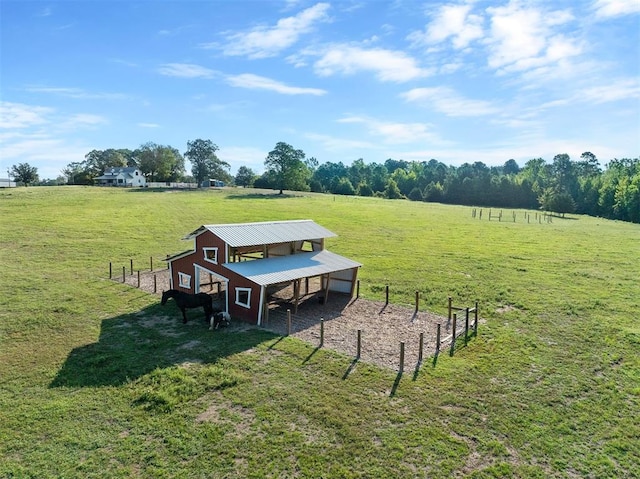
x=466, y=326
x=138, y=278
x=288, y=322
x=475, y=322
x=357, y=289
x=449, y=317
x=401, y=356
x=150, y=263
x=453, y=336
x=386, y=301
x=359, y=348
x=110, y=270
x=131, y=260
x=124, y=274
x=417, y=301
x=155, y=284
x=321, y=332
x=438, y=340
x=421, y=347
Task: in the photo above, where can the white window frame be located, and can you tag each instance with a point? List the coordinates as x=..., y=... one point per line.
x=209, y=260
x=184, y=280
x=240, y=303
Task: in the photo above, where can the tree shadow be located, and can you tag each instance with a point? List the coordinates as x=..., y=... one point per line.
x=132, y=345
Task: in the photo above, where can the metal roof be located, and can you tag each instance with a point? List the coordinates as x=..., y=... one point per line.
x=267, y=232
x=288, y=268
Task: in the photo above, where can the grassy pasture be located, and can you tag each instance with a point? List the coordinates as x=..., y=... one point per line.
x=98, y=380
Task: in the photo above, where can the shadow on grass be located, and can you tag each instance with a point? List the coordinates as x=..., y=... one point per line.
x=132, y=345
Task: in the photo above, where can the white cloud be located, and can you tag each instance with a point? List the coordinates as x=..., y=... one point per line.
x=396, y=132
x=77, y=93
x=186, y=70
x=451, y=21
x=615, y=8
x=447, y=101
x=19, y=115
x=523, y=37
x=265, y=41
x=387, y=65
x=622, y=89
x=332, y=143
x=256, y=82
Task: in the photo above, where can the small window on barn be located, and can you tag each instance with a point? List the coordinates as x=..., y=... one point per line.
x=211, y=255
x=184, y=280
x=243, y=297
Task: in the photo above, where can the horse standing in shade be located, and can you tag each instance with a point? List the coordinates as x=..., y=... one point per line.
x=186, y=301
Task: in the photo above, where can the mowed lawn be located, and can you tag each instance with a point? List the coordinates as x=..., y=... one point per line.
x=98, y=380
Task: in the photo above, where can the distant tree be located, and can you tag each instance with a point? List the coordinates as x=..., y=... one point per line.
x=160, y=163
x=24, y=173
x=344, y=187
x=204, y=162
x=77, y=173
x=510, y=167
x=287, y=165
x=97, y=161
x=415, y=194
x=589, y=165
x=433, y=192
x=364, y=190
x=245, y=176
x=557, y=201
x=392, y=191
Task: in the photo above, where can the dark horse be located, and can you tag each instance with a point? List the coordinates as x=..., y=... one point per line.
x=187, y=301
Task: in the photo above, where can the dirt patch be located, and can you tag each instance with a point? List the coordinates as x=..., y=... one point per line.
x=382, y=327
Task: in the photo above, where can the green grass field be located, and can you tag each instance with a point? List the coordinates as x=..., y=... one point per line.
x=98, y=380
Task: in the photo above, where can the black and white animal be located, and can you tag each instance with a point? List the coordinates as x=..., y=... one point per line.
x=187, y=301
x=220, y=319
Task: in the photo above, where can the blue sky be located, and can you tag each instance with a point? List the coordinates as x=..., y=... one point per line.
x=459, y=81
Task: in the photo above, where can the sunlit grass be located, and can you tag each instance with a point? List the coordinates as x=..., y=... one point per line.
x=98, y=380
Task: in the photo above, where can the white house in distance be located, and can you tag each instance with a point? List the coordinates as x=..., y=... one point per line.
x=121, y=176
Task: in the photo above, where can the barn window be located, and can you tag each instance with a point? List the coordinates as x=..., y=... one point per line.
x=243, y=297
x=184, y=280
x=211, y=255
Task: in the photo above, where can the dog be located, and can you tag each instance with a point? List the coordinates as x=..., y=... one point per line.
x=221, y=319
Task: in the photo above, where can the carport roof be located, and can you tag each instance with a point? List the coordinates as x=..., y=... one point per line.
x=268, y=232
x=288, y=268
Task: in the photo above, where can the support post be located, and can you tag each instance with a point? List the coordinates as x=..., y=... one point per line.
x=150, y=263
x=417, y=301
x=359, y=348
x=449, y=317
x=438, y=340
x=386, y=300
x=357, y=289
x=420, y=348
x=124, y=274
x=131, y=261
x=138, y=278
x=401, y=356
x=288, y=322
x=155, y=284
x=453, y=335
x=321, y=332
x=110, y=270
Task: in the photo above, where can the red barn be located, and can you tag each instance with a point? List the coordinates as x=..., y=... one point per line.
x=248, y=258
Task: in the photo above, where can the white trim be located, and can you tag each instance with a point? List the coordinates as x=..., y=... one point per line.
x=261, y=306
x=205, y=249
x=239, y=289
x=184, y=280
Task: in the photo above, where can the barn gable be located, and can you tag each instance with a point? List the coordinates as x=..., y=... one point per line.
x=247, y=258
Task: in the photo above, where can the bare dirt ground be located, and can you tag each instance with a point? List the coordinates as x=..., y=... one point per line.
x=383, y=327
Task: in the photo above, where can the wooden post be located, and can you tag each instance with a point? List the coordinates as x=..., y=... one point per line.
x=288, y=322
x=210, y=282
x=386, y=300
x=453, y=335
x=321, y=332
x=155, y=284
x=124, y=274
x=150, y=263
x=219, y=288
x=401, y=356
x=475, y=321
x=138, y=278
x=417, y=301
x=466, y=326
x=449, y=317
x=357, y=289
x=131, y=260
x=421, y=347
x=359, y=348
x=438, y=339
x=110, y=270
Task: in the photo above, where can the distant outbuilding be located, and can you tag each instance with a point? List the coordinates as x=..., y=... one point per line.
x=250, y=259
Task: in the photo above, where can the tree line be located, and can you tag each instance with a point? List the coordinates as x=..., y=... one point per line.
x=561, y=186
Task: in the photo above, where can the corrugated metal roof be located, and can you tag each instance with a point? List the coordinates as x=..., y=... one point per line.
x=268, y=232
x=288, y=268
